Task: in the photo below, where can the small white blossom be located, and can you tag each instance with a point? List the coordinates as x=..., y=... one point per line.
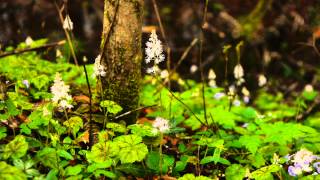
x=164, y=74
x=236, y=103
x=153, y=70
x=245, y=91
x=29, y=41
x=308, y=88
x=58, y=53
x=60, y=93
x=262, y=80
x=67, y=23
x=238, y=73
x=212, y=75
x=26, y=83
x=154, y=49
x=219, y=95
x=98, y=68
x=161, y=124
x=246, y=99
x=212, y=83
x=193, y=68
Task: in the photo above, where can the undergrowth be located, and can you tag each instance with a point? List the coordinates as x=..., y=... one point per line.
x=229, y=139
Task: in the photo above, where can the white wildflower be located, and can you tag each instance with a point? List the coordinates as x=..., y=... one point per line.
x=153, y=70
x=218, y=95
x=236, y=103
x=99, y=69
x=232, y=91
x=60, y=92
x=29, y=41
x=164, y=74
x=308, y=88
x=212, y=83
x=161, y=124
x=238, y=71
x=154, y=49
x=193, y=68
x=262, y=80
x=245, y=91
x=238, y=74
x=246, y=99
x=212, y=75
x=58, y=53
x=26, y=83
x=67, y=23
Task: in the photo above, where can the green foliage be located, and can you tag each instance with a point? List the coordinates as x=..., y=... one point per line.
x=10, y=172
x=16, y=148
x=131, y=148
x=238, y=141
x=154, y=159
x=112, y=107
x=103, y=152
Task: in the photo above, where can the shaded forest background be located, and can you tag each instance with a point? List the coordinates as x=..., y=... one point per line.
x=281, y=37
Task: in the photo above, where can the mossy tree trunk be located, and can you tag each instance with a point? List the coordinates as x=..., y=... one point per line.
x=121, y=43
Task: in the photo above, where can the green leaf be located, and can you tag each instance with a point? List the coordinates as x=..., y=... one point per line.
x=74, y=124
x=8, y=172
x=102, y=151
x=103, y=165
x=16, y=148
x=64, y=154
x=265, y=172
x=134, y=169
x=210, y=159
x=131, y=148
x=182, y=164
x=108, y=174
x=252, y=143
x=193, y=177
x=112, y=107
x=48, y=157
x=235, y=172
x=3, y=132
x=73, y=170
x=153, y=162
x=116, y=127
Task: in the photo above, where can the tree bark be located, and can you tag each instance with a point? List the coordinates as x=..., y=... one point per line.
x=121, y=53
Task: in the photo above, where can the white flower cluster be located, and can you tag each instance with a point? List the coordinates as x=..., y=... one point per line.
x=154, y=52
x=238, y=73
x=98, y=68
x=60, y=93
x=302, y=162
x=67, y=23
x=161, y=124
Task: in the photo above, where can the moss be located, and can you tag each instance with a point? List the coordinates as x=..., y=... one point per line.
x=123, y=56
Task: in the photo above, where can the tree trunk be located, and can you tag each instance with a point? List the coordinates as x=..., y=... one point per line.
x=121, y=44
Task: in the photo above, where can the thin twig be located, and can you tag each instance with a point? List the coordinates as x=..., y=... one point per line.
x=200, y=60
x=66, y=34
x=184, y=54
x=20, y=51
x=90, y=106
x=132, y=111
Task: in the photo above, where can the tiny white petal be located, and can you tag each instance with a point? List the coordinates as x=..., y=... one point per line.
x=67, y=23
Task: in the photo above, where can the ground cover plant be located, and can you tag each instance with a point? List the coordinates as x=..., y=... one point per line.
x=63, y=118
x=45, y=115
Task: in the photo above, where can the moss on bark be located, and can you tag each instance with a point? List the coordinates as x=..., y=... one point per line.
x=122, y=54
